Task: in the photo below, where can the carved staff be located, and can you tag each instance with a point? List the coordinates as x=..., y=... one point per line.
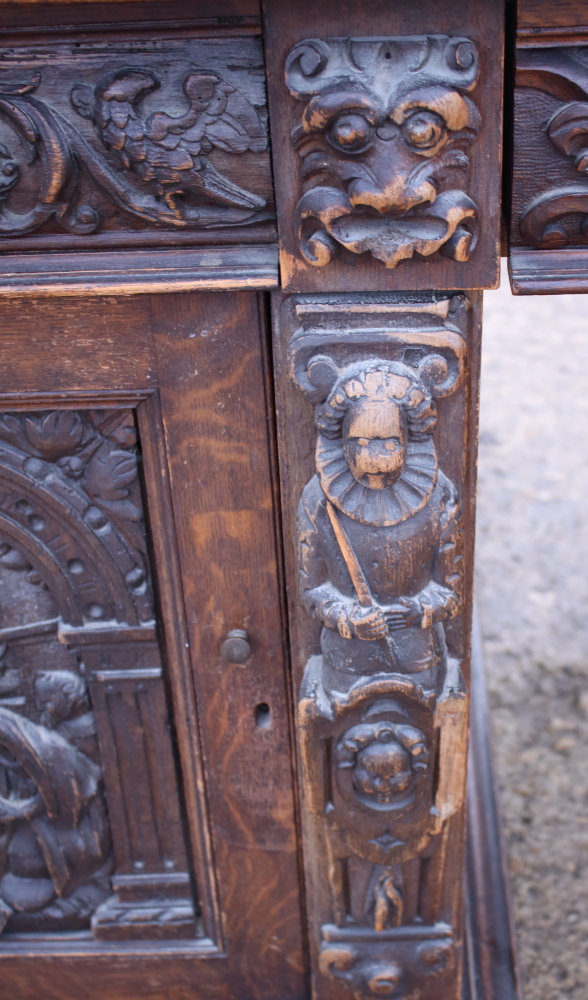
x=364, y=594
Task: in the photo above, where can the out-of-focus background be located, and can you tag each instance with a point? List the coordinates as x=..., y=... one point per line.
x=532, y=595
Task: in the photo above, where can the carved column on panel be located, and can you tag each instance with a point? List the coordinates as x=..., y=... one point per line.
x=90, y=822
x=383, y=705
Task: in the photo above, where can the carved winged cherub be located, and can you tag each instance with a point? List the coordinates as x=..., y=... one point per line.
x=171, y=150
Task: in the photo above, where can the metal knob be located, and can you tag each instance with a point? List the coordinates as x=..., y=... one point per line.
x=236, y=648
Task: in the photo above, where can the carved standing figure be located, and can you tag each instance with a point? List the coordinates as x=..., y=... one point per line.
x=380, y=529
x=383, y=710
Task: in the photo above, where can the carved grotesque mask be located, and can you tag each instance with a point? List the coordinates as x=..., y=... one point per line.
x=384, y=137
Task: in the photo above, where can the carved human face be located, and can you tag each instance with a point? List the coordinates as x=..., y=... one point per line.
x=374, y=441
x=383, y=770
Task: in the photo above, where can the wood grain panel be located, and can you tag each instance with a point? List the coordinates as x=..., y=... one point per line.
x=60, y=348
x=545, y=22
x=58, y=15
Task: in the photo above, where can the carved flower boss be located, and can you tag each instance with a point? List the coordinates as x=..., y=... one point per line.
x=383, y=138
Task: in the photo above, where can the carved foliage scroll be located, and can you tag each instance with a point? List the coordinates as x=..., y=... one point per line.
x=134, y=144
x=90, y=827
x=551, y=201
x=383, y=706
x=383, y=136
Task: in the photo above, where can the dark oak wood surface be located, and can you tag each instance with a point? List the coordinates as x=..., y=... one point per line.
x=198, y=799
x=549, y=202
x=456, y=431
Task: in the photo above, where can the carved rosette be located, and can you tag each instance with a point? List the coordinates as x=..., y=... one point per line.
x=383, y=709
x=90, y=834
x=383, y=138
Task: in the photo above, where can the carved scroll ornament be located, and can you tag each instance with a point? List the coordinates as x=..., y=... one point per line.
x=154, y=166
x=383, y=139
x=559, y=215
x=383, y=709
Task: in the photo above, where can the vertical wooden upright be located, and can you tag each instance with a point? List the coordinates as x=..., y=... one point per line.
x=386, y=143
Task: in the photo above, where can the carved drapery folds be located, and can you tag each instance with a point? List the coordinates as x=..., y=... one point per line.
x=89, y=833
x=135, y=144
x=383, y=707
x=383, y=138
x=554, y=125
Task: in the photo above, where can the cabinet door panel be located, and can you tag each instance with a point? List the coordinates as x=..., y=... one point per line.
x=147, y=808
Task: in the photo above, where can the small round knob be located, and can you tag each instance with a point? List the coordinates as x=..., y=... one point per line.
x=236, y=648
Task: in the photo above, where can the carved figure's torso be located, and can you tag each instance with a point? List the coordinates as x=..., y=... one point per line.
x=398, y=561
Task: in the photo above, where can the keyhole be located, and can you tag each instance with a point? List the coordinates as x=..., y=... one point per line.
x=263, y=715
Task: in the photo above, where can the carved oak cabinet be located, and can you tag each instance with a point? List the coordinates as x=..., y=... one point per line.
x=242, y=256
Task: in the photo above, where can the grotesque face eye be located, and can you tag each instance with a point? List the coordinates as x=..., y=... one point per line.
x=423, y=130
x=350, y=133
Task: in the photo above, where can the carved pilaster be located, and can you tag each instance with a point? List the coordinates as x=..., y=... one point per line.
x=383, y=588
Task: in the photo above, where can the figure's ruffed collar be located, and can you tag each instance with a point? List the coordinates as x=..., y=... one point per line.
x=382, y=508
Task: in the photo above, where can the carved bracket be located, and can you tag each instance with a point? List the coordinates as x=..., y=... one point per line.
x=383, y=140
x=393, y=964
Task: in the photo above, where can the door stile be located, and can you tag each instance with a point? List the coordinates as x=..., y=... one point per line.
x=171, y=601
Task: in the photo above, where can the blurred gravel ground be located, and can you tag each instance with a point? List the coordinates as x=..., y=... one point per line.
x=532, y=593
